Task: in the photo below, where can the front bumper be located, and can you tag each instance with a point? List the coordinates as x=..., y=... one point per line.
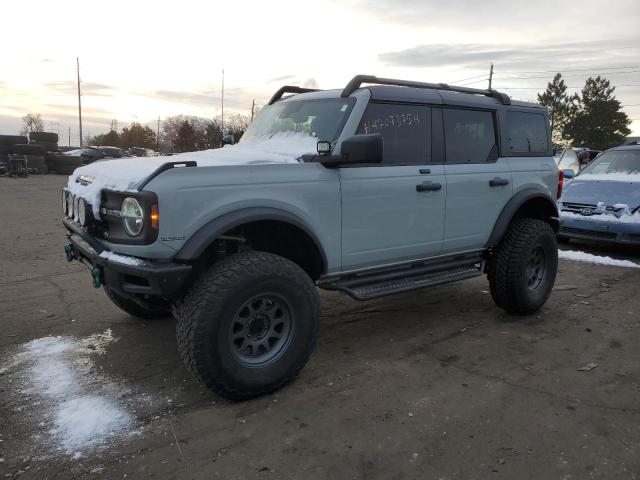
x=600, y=230
x=142, y=278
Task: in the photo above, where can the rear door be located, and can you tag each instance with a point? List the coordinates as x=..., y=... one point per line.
x=479, y=182
x=394, y=211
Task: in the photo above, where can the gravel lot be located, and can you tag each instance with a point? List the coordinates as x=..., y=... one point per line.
x=433, y=384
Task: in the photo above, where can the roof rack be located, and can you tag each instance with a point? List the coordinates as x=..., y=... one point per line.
x=358, y=80
x=289, y=89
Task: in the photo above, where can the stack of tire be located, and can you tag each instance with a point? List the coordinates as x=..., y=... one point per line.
x=55, y=161
x=7, y=143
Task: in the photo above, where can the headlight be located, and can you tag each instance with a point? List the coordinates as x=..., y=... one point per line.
x=132, y=216
x=76, y=207
x=82, y=212
x=64, y=202
x=70, y=206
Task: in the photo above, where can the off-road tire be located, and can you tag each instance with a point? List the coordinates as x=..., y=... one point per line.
x=37, y=164
x=12, y=139
x=159, y=309
x=29, y=149
x=207, y=312
x=48, y=137
x=508, y=265
x=64, y=160
x=48, y=146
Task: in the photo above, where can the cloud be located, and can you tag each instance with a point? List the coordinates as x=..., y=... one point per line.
x=68, y=87
x=310, y=83
x=479, y=54
x=282, y=78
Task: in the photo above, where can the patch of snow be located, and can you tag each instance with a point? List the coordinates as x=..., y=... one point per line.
x=125, y=174
x=124, y=259
x=596, y=259
x=83, y=409
x=609, y=217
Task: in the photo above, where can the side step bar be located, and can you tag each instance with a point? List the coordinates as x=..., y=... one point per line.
x=388, y=283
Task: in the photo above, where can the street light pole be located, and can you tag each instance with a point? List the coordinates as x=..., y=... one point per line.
x=79, y=101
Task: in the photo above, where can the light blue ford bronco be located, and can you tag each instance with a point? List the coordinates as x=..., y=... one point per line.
x=407, y=185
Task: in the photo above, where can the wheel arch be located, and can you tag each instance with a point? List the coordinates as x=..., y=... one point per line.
x=530, y=203
x=269, y=218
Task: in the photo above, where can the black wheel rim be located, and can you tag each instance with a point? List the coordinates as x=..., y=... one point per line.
x=536, y=268
x=260, y=329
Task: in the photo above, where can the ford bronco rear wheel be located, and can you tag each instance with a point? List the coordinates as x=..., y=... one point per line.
x=149, y=309
x=248, y=325
x=523, y=268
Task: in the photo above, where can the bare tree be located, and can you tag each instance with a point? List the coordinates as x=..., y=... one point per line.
x=32, y=123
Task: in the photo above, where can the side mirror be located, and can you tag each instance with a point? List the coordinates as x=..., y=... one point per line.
x=568, y=173
x=363, y=148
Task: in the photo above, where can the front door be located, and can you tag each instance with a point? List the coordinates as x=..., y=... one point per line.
x=394, y=211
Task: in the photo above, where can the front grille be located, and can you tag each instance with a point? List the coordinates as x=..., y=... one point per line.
x=579, y=207
x=588, y=233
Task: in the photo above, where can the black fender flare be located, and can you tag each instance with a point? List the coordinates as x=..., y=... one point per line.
x=200, y=240
x=511, y=208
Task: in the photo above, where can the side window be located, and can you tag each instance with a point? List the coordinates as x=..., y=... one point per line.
x=470, y=136
x=527, y=132
x=406, y=130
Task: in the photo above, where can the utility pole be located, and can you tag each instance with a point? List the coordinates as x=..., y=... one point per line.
x=79, y=101
x=158, y=136
x=69, y=137
x=491, y=76
x=253, y=107
x=222, y=116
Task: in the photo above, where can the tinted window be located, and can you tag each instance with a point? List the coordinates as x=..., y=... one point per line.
x=470, y=136
x=527, y=132
x=569, y=160
x=406, y=130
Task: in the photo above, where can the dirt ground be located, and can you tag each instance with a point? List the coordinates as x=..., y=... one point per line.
x=432, y=384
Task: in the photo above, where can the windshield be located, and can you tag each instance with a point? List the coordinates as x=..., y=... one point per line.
x=615, y=161
x=322, y=118
x=569, y=160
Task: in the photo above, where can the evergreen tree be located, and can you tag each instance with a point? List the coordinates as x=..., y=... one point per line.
x=186, y=141
x=111, y=139
x=138, y=136
x=561, y=107
x=600, y=122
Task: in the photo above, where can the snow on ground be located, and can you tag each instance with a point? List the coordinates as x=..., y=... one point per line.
x=124, y=259
x=82, y=410
x=124, y=174
x=589, y=258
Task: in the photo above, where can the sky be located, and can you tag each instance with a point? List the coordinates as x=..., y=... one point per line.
x=140, y=60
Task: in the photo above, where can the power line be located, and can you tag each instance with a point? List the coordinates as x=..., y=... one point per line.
x=477, y=81
x=470, y=78
x=572, y=75
x=577, y=70
x=540, y=88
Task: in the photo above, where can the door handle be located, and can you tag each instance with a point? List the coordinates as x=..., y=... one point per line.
x=428, y=187
x=498, y=182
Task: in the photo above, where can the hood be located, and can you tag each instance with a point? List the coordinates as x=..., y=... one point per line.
x=125, y=174
x=610, y=189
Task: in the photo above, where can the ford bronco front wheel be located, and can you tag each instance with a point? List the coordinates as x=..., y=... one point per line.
x=248, y=325
x=523, y=268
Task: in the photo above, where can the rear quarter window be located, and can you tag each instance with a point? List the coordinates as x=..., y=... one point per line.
x=526, y=132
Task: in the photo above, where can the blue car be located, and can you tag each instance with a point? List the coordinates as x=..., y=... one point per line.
x=602, y=202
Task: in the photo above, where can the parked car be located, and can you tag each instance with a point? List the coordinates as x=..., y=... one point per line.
x=378, y=188
x=602, y=202
x=567, y=160
x=88, y=154
x=141, y=152
x=113, y=152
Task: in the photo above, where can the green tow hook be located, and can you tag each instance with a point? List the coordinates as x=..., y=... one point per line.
x=96, y=273
x=68, y=249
